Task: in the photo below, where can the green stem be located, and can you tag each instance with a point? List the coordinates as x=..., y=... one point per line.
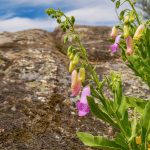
x=93, y=73
x=132, y=5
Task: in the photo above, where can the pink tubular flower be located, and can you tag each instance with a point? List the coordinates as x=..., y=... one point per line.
x=115, y=46
x=75, y=83
x=82, y=104
x=129, y=42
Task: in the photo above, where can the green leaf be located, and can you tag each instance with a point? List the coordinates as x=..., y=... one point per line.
x=98, y=142
x=137, y=103
x=118, y=96
x=147, y=39
x=95, y=108
x=133, y=127
x=120, y=139
x=72, y=20
x=96, y=94
x=145, y=122
x=125, y=124
x=122, y=108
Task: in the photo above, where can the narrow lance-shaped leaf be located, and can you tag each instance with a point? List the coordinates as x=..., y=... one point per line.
x=145, y=122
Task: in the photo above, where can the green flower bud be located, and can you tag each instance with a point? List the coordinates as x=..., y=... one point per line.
x=76, y=37
x=65, y=38
x=64, y=29
x=126, y=19
x=71, y=66
x=132, y=16
x=71, y=57
x=76, y=59
x=69, y=51
x=58, y=20
x=126, y=31
x=72, y=19
x=82, y=74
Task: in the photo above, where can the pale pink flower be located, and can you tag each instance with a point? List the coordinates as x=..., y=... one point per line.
x=129, y=42
x=75, y=83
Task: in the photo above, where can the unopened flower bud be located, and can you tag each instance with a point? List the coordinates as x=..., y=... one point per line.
x=76, y=37
x=74, y=77
x=71, y=67
x=75, y=83
x=129, y=43
x=72, y=19
x=114, y=32
x=69, y=51
x=65, y=38
x=138, y=140
x=139, y=32
x=126, y=19
x=76, y=59
x=82, y=74
x=126, y=31
x=71, y=56
x=132, y=16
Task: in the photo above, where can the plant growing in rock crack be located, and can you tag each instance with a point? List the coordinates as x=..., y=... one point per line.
x=113, y=108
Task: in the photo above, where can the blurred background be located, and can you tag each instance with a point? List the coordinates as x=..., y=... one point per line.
x=18, y=15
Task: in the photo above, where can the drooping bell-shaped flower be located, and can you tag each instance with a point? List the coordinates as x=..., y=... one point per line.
x=114, y=32
x=139, y=32
x=75, y=83
x=129, y=43
x=115, y=46
x=82, y=104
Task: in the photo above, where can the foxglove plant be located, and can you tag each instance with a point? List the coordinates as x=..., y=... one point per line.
x=134, y=42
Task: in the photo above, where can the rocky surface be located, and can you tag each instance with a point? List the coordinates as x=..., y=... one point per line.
x=95, y=40
x=36, y=112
